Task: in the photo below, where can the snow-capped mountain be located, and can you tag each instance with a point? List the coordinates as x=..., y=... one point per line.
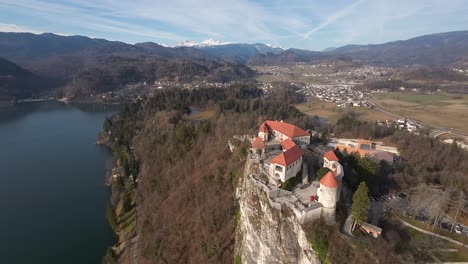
x=233, y=52
x=205, y=43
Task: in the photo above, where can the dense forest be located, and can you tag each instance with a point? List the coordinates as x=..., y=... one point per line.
x=186, y=173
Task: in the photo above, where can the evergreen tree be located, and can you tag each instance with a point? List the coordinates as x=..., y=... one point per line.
x=360, y=208
x=321, y=172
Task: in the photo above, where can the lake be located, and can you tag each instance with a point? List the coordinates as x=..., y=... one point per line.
x=52, y=193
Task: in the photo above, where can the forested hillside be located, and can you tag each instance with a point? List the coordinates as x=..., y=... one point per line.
x=81, y=66
x=183, y=175
x=114, y=72
x=17, y=83
x=187, y=175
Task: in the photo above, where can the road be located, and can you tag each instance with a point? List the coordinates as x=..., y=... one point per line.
x=433, y=133
x=348, y=225
x=432, y=234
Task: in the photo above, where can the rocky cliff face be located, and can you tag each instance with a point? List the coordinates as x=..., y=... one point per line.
x=265, y=234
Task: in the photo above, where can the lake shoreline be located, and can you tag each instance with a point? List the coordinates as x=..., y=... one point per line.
x=117, y=215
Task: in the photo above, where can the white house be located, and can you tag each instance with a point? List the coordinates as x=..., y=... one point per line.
x=287, y=164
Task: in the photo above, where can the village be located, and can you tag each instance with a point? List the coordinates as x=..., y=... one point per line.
x=326, y=71
x=341, y=94
x=134, y=91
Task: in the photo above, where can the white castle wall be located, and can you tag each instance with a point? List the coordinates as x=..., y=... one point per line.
x=327, y=196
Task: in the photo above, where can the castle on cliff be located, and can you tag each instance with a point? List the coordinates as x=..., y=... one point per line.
x=278, y=155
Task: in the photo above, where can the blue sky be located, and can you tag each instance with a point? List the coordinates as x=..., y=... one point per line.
x=308, y=24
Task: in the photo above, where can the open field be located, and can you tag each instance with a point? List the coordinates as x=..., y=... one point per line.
x=441, y=111
x=203, y=115
x=331, y=112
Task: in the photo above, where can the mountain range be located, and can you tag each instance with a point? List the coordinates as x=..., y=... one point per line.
x=29, y=50
x=67, y=60
x=80, y=66
x=440, y=49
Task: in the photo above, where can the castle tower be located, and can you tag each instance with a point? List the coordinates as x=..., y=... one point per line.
x=259, y=146
x=328, y=197
x=263, y=132
x=337, y=170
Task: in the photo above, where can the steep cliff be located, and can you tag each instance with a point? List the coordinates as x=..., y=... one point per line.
x=265, y=234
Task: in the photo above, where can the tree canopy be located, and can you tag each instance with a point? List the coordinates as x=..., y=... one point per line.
x=360, y=208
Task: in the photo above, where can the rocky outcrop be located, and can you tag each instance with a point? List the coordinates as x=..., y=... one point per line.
x=265, y=234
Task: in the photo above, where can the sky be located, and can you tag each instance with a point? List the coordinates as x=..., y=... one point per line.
x=305, y=24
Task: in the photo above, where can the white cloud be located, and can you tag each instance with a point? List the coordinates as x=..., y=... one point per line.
x=288, y=24
x=332, y=18
x=242, y=20
x=17, y=28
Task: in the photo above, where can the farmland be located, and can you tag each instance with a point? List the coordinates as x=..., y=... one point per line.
x=441, y=111
x=331, y=112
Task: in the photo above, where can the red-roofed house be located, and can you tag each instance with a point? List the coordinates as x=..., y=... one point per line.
x=282, y=131
x=263, y=132
x=287, y=164
x=287, y=144
x=330, y=160
x=258, y=143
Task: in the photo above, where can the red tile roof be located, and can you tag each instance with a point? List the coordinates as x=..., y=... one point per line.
x=329, y=180
x=288, y=157
x=287, y=144
x=330, y=155
x=263, y=128
x=258, y=143
x=286, y=129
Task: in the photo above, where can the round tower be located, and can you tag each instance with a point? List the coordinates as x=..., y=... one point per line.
x=328, y=196
x=328, y=190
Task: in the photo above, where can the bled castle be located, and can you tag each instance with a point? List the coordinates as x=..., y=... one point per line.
x=277, y=155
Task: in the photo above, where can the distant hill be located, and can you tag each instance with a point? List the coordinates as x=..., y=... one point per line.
x=289, y=56
x=18, y=83
x=432, y=74
x=114, y=72
x=62, y=56
x=87, y=66
x=238, y=53
x=430, y=50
